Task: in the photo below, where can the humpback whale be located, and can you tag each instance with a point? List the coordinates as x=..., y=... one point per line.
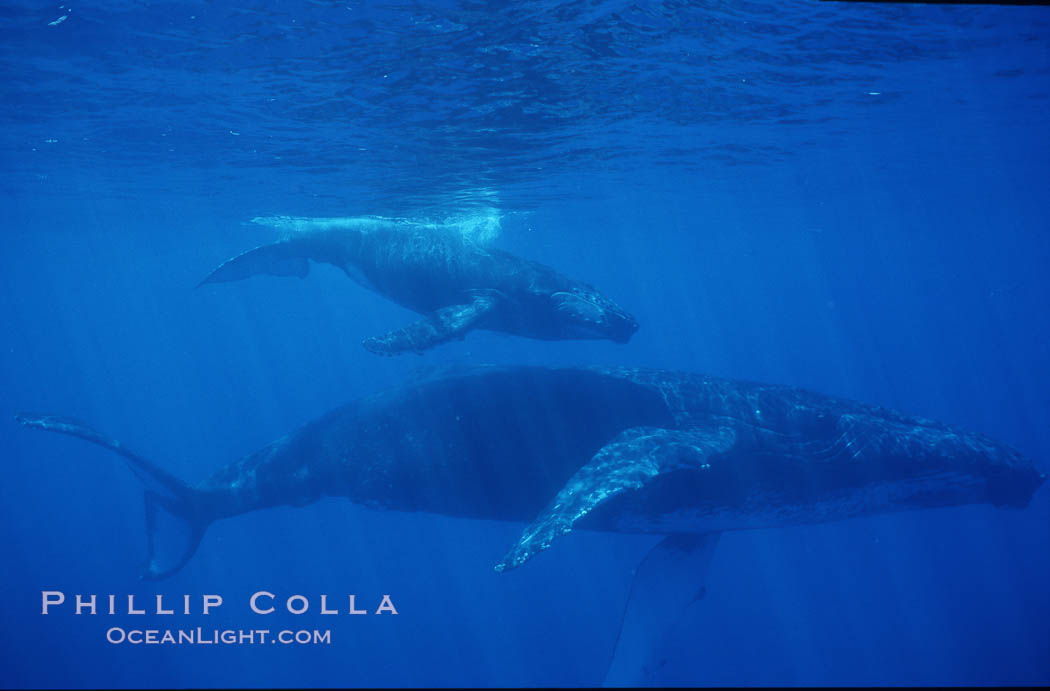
x=455, y=283
x=681, y=455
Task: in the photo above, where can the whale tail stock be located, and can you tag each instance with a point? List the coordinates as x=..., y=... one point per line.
x=176, y=514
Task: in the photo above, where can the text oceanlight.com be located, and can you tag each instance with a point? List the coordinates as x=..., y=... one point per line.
x=202, y=636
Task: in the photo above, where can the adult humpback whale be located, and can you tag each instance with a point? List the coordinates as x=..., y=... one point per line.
x=631, y=450
x=457, y=284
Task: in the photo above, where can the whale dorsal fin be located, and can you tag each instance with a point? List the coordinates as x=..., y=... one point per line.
x=627, y=463
x=439, y=326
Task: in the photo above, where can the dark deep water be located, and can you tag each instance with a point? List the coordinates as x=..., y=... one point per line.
x=845, y=197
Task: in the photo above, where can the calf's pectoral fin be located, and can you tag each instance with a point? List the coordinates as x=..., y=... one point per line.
x=278, y=259
x=440, y=326
x=627, y=463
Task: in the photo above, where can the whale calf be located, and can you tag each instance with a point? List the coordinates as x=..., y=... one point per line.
x=682, y=455
x=454, y=282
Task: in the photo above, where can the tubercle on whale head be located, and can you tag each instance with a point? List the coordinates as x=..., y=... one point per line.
x=588, y=314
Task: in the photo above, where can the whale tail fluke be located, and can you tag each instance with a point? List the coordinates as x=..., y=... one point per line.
x=278, y=259
x=176, y=514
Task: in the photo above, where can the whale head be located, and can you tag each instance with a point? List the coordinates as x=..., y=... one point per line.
x=583, y=312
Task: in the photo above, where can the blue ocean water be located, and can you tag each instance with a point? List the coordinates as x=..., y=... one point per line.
x=845, y=197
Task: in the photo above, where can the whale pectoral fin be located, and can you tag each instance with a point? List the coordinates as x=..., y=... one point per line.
x=627, y=463
x=665, y=594
x=278, y=259
x=438, y=327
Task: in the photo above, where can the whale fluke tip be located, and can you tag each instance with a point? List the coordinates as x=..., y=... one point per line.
x=29, y=419
x=56, y=423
